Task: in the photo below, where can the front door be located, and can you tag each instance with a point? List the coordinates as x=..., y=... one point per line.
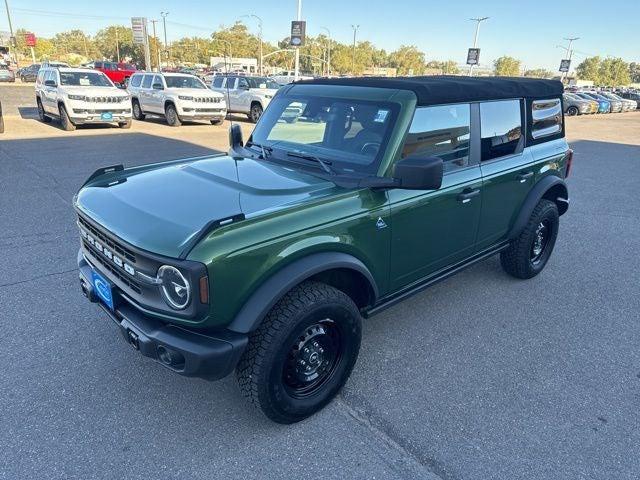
x=432, y=230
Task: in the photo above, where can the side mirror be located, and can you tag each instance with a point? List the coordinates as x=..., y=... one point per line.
x=235, y=137
x=158, y=86
x=419, y=173
x=50, y=83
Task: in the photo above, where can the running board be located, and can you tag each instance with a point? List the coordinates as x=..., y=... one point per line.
x=431, y=280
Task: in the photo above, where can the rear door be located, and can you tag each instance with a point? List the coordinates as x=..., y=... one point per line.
x=144, y=93
x=231, y=93
x=49, y=94
x=507, y=168
x=243, y=95
x=432, y=230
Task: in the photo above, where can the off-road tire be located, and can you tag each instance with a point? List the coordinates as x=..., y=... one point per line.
x=137, y=109
x=261, y=370
x=517, y=260
x=126, y=124
x=255, y=113
x=171, y=114
x=41, y=115
x=65, y=121
x=572, y=111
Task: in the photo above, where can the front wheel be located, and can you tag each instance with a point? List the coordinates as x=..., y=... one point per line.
x=255, y=113
x=126, y=124
x=171, y=114
x=572, y=111
x=65, y=121
x=302, y=354
x=217, y=121
x=137, y=110
x=41, y=115
x=529, y=252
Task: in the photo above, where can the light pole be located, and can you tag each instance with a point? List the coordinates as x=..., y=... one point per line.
x=353, y=53
x=570, y=53
x=296, y=74
x=15, y=55
x=260, y=29
x=164, y=26
x=328, y=51
x=478, y=21
x=155, y=39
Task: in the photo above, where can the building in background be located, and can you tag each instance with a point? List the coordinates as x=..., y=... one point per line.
x=234, y=64
x=380, y=72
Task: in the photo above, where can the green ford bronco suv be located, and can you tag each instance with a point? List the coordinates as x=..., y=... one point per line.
x=349, y=196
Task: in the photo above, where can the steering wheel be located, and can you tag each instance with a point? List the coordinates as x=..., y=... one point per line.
x=370, y=148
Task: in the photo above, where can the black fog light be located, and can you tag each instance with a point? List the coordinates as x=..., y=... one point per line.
x=170, y=357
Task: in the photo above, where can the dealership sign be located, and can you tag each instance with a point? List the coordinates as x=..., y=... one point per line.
x=30, y=39
x=564, y=65
x=139, y=28
x=473, y=56
x=298, y=28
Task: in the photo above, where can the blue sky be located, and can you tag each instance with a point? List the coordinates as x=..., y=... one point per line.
x=440, y=28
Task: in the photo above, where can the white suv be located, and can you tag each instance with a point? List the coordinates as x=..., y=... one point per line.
x=288, y=76
x=176, y=96
x=77, y=96
x=248, y=95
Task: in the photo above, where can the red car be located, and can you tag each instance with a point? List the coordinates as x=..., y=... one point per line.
x=119, y=73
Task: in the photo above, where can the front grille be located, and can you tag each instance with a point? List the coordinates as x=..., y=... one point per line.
x=206, y=99
x=115, y=99
x=97, y=257
x=208, y=110
x=107, y=241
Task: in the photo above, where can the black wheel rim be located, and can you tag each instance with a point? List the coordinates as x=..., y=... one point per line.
x=540, y=241
x=255, y=114
x=313, y=359
x=171, y=116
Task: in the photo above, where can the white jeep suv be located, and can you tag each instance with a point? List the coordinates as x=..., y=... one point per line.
x=77, y=96
x=176, y=96
x=245, y=94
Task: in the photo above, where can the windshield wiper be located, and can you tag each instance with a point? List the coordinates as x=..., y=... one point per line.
x=264, y=149
x=307, y=156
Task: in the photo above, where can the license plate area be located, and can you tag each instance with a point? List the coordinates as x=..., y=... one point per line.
x=106, y=116
x=103, y=289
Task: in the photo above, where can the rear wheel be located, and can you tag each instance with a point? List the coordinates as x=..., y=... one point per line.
x=529, y=252
x=255, y=113
x=65, y=121
x=302, y=354
x=171, y=114
x=572, y=111
x=41, y=115
x=137, y=110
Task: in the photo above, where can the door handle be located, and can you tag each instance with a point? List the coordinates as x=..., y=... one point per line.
x=523, y=177
x=467, y=195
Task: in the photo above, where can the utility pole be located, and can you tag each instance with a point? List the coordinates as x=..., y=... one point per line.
x=475, y=39
x=569, y=53
x=164, y=24
x=353, y=53
x=117, y=45
x=297, y=53
x=155, y=40
x=15, y=54
x=260, y=35
x=328, y=51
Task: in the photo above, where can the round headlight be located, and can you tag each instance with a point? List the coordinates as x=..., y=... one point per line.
x=175, y=288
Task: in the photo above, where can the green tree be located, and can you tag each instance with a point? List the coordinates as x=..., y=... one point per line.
x=589, y=69
x=506, y=66
x=118, y=39
x=614, y=72
x=448, y=67
x=539, y=73
x=634, y=72
x=408, y=60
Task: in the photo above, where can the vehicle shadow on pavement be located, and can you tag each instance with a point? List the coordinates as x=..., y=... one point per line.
x=28, y=113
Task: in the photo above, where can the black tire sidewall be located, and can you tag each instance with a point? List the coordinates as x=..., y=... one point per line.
x=176, y=120
x=298, y=408
x=551, y=214
x=257, y=108
x=572, y=111
x=137, y=115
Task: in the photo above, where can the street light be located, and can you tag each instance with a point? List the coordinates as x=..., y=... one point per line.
x=296, y=74
x=328, y=51
x=475, y=39
x=164, y=25
x=353, y=53
x=569, y=52
x=259, y=28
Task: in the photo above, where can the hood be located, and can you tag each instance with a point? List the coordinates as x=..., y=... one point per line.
x=161, y=210
x=264, y=91
x=94, y=91
x=194, y=92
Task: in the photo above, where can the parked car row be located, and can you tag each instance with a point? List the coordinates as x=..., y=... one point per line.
x=587, y=102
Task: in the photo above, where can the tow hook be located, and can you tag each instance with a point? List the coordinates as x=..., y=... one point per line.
x=133, y=339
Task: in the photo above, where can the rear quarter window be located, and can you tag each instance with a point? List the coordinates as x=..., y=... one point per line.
x=136, y=80
x=546, y=118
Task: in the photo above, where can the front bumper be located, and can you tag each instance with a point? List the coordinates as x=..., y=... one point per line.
x=203, y=113
x=208, y=355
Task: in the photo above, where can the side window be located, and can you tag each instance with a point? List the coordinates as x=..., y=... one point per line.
x=231, y=83
x=217, y=82
x=158, y=79
x=136, y=80
x=146, y=83
x=242, y=83
x=500, y=128
x=442, y=131
x=98, y=65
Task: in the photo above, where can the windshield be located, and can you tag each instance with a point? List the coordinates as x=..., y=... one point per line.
x=262, y=82
x=84, y=79
x=349, y=134
x=184, y=82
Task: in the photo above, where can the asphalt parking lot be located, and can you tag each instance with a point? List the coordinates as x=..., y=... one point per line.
x=480, y=377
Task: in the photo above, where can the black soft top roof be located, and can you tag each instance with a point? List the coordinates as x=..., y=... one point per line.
x=439, y=89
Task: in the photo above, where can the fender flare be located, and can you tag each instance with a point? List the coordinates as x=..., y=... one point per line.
x=275, y=287
x=537, y=193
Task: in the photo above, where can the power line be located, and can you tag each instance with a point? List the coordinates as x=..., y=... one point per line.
x=47, y=13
